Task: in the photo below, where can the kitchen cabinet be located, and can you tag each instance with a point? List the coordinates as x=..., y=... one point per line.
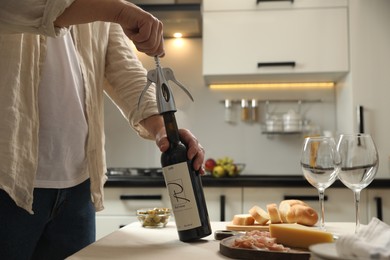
x=121, y=205
x=379, y=204
x=339, y=205
x=231, y=5
x=255, y=44
x=367, y=84
x=223, y=203
x=226, y=197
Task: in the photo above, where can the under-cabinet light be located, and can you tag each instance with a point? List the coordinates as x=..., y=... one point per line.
x=274, y=85
x=177, y=35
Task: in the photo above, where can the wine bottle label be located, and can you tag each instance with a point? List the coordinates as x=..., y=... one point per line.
x=181, y=193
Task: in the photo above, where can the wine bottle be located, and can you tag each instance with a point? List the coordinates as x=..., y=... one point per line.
x=183, y=182
x=184, y=186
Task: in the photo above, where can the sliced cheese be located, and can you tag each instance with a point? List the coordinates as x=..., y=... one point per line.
x=298, y=236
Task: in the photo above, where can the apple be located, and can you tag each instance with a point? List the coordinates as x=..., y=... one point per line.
x=210, y=164
x=219, y=171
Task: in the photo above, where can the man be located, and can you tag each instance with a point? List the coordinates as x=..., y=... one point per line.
x=57, y=58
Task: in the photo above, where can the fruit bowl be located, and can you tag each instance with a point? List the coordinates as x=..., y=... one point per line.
x=154, y=217
x=224, y=167
x=240, y=167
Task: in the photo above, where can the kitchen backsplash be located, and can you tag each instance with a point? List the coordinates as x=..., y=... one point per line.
x=243, y=141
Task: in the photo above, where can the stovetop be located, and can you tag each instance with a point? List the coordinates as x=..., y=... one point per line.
x=134, y=172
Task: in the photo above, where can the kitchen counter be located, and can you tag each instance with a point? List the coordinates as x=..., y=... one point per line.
x=136, y=242
x=239, y=181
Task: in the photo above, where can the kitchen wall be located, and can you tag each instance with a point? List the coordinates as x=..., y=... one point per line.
x=367, y=84
x=244, y=142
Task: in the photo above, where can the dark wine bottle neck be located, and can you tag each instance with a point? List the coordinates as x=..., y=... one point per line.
x=171, y=127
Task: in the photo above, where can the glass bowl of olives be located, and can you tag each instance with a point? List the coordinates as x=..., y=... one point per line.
x=154, y=217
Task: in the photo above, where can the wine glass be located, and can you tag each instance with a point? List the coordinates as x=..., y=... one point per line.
x=359, y=164
x=319, y=162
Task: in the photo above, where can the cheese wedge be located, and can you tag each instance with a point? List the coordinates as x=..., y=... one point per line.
x=298, y=236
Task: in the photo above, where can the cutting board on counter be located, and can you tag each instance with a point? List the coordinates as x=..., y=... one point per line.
x=233, y=227
x=226, y=249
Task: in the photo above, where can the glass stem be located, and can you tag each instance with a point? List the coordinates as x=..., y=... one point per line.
x=356, y=194
x=321, y=196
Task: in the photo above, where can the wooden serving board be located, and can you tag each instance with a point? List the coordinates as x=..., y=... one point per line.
x=233, y=227
x=226, y=249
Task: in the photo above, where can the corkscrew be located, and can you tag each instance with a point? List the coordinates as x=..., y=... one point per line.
x=160, y=77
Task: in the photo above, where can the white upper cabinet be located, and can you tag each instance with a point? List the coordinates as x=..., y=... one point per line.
x=234, y=5
x=274, y=44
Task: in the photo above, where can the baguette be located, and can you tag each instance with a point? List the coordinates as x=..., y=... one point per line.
x=274, y=213
x=259, y=214
x=243, y=220
x=285, y=206
x=302, y=215
x=296, y=211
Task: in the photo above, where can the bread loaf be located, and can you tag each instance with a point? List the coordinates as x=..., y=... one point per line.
x=243, y=219
x=285, y=207
x=274, y=213
x=297, y=211
x=259, y=214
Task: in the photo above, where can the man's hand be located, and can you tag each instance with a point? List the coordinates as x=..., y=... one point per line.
x=141, y=27
x=195, y=151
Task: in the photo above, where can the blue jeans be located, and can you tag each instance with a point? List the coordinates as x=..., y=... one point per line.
x=63, y=223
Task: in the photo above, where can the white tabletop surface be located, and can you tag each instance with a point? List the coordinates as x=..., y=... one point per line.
x=135, y=242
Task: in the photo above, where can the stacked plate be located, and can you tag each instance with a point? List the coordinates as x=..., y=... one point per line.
x=324, y=251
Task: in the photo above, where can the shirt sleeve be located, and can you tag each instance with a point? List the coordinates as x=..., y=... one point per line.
x=127, y=79
x=32, y=16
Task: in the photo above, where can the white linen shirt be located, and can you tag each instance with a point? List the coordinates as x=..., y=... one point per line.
x=107, y=63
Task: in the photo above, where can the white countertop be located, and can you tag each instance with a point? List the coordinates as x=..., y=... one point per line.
x=135, y=242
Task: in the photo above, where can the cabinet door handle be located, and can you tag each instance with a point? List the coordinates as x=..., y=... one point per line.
x=258, y=1
x=276, y=64
x=222, y=204
x=140, y=197
x=306, y=198
x=360, y=118
x=379, y=212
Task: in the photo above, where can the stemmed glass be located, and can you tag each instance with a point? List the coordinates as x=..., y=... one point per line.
x=319, y=162
x=359, y=164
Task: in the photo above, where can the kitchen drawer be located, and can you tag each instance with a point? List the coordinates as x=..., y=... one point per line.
x=339, y=206
x=223, y=203
x=379, y=204
x=278, y=45
x=126, y=201
x=230, y=5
